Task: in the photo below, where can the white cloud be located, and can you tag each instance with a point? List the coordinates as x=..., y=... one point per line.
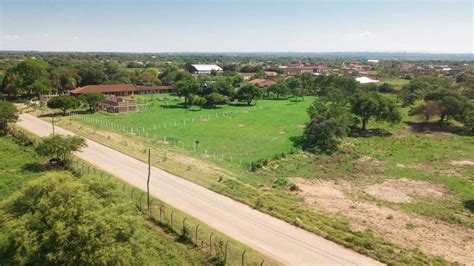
x=11, y=37
x=76, y=38
x=45, y=35
x=360, y=35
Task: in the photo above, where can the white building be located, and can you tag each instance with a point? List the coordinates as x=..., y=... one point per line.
x=204, y=69
x=365, y=80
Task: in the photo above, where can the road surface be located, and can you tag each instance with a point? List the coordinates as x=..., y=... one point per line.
x=264, y=233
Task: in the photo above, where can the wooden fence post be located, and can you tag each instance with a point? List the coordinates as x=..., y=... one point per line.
x=225, y=252
x=161, y=212
x=210, y=243
x=197, y=242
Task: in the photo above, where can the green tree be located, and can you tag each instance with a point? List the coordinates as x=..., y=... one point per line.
x=61, y=147
x=468, y=119
x=41, y=87
x=92, y=74
x=452, y=103
x=216, y=98
x=21, y=78
x=329, y=122
x=248, y=93
x=8, y=114
x=366, y=105
x=386, y=88
x=279, y=88
x=64, y=78
x=187, y=88
x=64, y=102
x=419, y=87
x=57, y=220
x=197, y=101
x=92, y=99
x=427, y=110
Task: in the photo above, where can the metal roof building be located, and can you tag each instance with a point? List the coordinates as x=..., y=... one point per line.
x=204, y=69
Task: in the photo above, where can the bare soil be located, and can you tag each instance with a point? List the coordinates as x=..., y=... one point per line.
x=402, y=190
x=449, y=241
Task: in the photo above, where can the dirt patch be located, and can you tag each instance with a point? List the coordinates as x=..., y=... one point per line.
x=240, y=125
x=402, y=190
x=461, y=163
x=300, y=126
x=282, y=133
x=405, y=230
x=368, y=165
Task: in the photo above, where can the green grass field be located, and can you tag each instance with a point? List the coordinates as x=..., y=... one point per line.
x=398, y=83
x=236, y=134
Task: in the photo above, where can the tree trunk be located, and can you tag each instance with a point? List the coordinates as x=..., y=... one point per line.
x=364, y=123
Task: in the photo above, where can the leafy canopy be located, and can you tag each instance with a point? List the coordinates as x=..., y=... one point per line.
x=64, y=102
x=8, y=114
x=329, y=122
x=92, y=99
x=59, y=146
x=57, y=220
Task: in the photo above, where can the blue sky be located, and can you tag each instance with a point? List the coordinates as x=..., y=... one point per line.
x=237, y=25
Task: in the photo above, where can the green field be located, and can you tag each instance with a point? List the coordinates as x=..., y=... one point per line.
x=398, y=83
x=236, y=134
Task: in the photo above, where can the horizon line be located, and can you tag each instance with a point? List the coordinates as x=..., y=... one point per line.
x=242, y=52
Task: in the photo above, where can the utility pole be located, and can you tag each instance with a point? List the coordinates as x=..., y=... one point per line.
x=148, y=182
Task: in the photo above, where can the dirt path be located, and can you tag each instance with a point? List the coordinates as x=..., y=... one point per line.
x=266, y=234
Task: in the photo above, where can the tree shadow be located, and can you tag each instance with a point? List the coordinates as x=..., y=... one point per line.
x=469, y=204
x=173, y=106
x=375, y=132
x=428, y=127
x=240, y=104
x=298, y=141
x=33, y=167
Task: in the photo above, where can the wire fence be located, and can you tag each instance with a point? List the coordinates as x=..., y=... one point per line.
x=186, y=229
x=194, y=146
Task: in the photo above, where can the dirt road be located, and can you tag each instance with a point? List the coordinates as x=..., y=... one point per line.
x=264, y=233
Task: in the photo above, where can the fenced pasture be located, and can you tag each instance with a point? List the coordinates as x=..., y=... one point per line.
x=237, y=134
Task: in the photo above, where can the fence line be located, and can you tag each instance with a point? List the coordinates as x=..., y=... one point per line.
x=149, y=133
x=186, y=230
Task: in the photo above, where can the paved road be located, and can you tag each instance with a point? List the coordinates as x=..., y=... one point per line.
x=264, y=233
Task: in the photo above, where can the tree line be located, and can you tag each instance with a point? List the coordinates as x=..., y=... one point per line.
x=342, y=105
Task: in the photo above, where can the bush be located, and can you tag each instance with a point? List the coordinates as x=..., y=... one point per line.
x=57, y=220
x=8, y=114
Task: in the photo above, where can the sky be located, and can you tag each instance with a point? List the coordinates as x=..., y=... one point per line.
x=436, y=26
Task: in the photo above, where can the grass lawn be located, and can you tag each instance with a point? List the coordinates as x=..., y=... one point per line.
x=235, y=134
x=398, y=83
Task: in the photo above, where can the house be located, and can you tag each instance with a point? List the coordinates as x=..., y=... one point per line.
x=312, y=69
x=365, y=80
x=122, y=89
x=114, y=104
x=204, y=69
x=262, y=82
x=247, y=76
x=295, y=70
x=271, y=74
